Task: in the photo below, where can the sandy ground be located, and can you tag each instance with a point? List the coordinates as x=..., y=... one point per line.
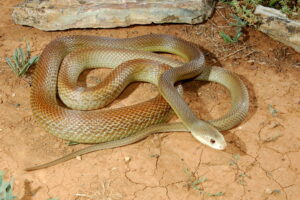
x=262, y=160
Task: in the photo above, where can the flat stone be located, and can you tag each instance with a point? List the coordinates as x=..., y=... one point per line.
x=278, y=26
x=50, y=15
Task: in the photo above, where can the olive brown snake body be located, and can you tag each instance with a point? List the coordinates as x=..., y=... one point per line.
x=117, y=127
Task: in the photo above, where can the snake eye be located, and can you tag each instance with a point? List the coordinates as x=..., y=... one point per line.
x=212, y=141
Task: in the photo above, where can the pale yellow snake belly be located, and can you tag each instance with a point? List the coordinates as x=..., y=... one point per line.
x=129, y=124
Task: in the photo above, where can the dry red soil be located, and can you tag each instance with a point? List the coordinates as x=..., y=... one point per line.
x=261, y=162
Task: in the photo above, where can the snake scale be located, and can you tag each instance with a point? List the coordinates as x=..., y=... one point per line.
x=68, y=56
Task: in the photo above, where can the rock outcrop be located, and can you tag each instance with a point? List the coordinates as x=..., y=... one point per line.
x=50, y=15
x=278, y=26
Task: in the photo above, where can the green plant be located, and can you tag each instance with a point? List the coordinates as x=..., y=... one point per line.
x=6, y=188
x=21, y=60
x=272, y=110
x=234, y=160
x=245, y=8
x=244, y=14
x=289, y=7
x=195, y=184
x=239, y=24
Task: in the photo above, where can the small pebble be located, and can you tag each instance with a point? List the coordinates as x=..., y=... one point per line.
x=268, y=191
x=78, y=157
x=13, y=94
x=262, y=63
x=127, y=159
x=251, y=62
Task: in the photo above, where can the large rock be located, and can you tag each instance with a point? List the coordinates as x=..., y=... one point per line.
x=52, y=15
x=278, y=26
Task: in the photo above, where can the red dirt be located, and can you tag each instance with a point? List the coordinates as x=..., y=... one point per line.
x=262, y=158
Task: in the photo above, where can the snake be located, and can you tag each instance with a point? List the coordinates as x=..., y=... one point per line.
x=70, y=55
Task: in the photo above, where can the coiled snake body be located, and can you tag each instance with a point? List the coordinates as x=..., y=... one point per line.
x=117, y=127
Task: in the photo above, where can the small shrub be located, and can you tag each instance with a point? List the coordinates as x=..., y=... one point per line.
x=6, y=189
x=245, y=8
x=21, y=60
x=239, y=24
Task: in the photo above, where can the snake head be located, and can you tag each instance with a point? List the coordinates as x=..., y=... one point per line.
x=209, y=135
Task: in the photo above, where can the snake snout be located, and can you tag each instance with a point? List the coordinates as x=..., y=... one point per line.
x=218, y=143
x=210, y=136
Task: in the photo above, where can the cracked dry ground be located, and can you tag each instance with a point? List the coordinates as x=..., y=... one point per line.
x=261, y=161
